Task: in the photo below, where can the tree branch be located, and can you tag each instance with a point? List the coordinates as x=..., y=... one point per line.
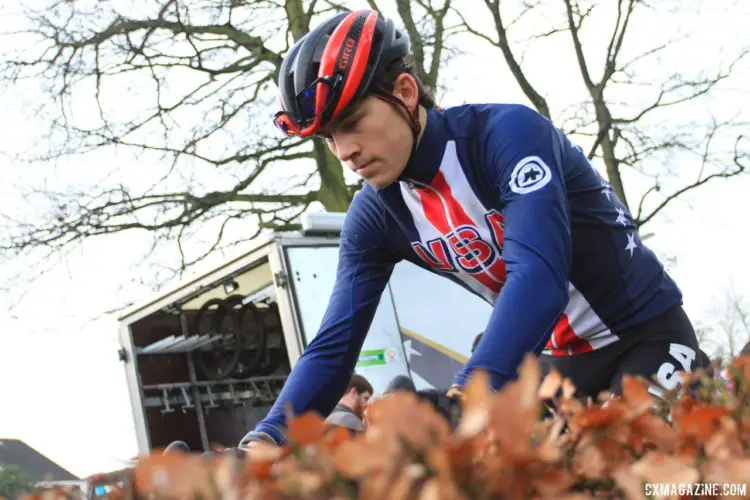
x=740, y=168
x=536, y=99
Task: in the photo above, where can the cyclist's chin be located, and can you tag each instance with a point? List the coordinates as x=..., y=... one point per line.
x=381, y=177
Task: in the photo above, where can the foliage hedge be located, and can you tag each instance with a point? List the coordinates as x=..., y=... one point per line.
x=532, y=439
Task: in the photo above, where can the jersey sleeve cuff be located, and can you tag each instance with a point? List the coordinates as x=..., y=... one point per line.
x=265, y=432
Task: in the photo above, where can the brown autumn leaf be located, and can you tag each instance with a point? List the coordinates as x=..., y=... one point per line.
x=701, y=422
x=476, y=404
x=552, y=481
x=653, y=429
x=589, y=461
x=657, y=467
x=302, y=483
x=402, y=485
x=628, y=483
x=515, y=411
x=568, y=388
x=552, y=439
x=334, y=437
x=306, y=429
x=261, y=459
x=728, y=471
x=411, y=419
x=635, y=394
x=550, y=385
x=431, y=491
x=463, y=455
x=741, y=366
x=571, y=496
x=528, y=380
x=374, y=487
x=599, y=417
x=616, y=454
x=725, y=442
x=173, y=475
x=359, y=458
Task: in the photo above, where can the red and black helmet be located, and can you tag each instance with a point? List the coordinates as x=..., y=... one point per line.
x=333, y=66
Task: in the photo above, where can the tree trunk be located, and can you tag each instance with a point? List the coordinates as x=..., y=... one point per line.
x=604, y=119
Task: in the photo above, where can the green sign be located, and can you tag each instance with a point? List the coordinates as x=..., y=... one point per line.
x=372, y=358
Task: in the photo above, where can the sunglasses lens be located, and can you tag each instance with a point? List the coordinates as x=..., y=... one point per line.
x=306, y=102
x=283, y=123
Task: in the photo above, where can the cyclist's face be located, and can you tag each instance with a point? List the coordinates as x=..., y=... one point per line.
x=374, y=138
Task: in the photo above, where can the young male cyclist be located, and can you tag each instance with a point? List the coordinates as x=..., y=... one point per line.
x=490, y=196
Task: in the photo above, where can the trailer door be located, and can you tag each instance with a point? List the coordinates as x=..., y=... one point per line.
x=312, y=275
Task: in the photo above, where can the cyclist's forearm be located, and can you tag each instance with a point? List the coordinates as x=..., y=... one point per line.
x=322, y=373
x=521, y=323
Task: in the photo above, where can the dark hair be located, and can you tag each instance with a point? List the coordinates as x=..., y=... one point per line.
x=745, y=350
x=405, y=65
x=360, y=384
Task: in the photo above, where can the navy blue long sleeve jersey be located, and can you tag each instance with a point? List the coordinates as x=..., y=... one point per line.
x=500, y=201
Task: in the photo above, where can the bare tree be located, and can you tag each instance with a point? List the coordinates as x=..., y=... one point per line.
x=623, y=113
x=727, y=331
x=732, y=321
x=186, y=88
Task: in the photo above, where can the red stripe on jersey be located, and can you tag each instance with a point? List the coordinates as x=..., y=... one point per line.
x=436, y=214
x=566, y=339
x=497, y=273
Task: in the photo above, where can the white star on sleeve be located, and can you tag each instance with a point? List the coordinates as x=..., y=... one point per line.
x=631, y=244
x=621, y=219
x=605, y=190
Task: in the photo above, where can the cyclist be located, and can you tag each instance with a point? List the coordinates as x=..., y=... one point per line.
x=491, y=196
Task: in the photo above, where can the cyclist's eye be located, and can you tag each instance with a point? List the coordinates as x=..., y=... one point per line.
x=351, y=124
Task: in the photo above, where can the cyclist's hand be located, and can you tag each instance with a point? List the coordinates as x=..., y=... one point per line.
x=455, y=392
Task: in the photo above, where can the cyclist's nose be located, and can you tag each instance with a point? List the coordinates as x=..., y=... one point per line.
x=346, y=148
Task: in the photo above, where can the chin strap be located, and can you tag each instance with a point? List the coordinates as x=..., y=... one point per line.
x=414, y=123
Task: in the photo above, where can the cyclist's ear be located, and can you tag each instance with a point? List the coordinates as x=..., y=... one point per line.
x=405, y=88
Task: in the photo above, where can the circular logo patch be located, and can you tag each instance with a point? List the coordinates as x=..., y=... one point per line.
x=529, y=174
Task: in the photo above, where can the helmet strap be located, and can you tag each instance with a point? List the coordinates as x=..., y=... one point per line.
x=414, y=124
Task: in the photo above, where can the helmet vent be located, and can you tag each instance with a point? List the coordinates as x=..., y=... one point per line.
x=357, y=26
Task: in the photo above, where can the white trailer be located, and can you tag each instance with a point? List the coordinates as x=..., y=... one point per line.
x=174, y=345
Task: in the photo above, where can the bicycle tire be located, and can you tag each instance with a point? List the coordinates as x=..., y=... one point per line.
x=252, y=364
x=227, y=367
x=275, y=357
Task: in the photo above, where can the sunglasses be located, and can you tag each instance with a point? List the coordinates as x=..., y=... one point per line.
x=319, y=95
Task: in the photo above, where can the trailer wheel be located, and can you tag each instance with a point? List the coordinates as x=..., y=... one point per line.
x=217, y=364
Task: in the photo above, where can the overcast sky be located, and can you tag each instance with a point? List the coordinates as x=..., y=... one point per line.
x=63, y=388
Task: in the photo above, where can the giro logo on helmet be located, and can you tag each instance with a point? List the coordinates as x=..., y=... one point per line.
x=346, y=56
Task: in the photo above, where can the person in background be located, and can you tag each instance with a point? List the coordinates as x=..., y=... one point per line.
x=350, y=410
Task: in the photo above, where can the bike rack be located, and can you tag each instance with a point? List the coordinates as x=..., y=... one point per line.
x=205, y=395
x=255, y=390
x=185, y=342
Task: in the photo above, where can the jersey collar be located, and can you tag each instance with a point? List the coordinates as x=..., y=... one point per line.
x=425, y=162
